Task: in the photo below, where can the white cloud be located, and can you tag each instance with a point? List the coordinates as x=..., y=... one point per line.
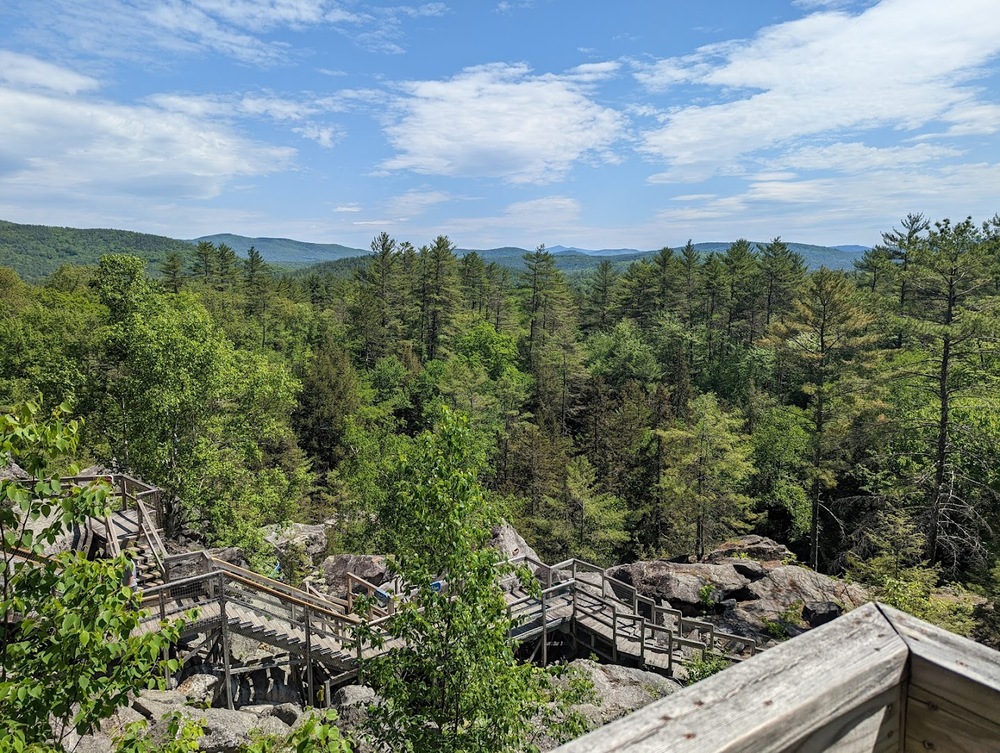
x=416, y=201
x=25, y=71
x=499, y=121
x=353, y=207
x=852, y=207
x=324, y=135
x=902, y=64
x=524, y=223
x=71, y=148
x=857, y=157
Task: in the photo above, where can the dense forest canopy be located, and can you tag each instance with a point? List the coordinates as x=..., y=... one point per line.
x=641, y=410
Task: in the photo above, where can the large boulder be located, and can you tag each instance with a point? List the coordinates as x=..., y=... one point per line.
x=225, y=731
x=765, y=551
x=10, y=470
x=199, y=688
x=370, y=567
x=311, y=538
x=617, y=691
x=351, y=703
x=781, y=595
x=506, y=540
x=688, y=586
x=231, y=554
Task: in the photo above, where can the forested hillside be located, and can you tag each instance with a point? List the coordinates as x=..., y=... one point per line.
x=37, y=251
x=649, y=411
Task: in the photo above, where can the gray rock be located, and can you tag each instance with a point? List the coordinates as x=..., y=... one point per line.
x=753, y=547
x=271, y=725
x=750, y=569
x=818, y=613
x=200, y=688
x=11, y=470
x=231, y=554
x=224, y=731
x=686, y=586
x=617, y=691
x=153, y=709
x=259, y=709
x=352, y=702
x=788, y=588
x=506, y=540
x=248, y=650
x=116, y=723
x=312, y=538
x=288, y=713
x=370, y=567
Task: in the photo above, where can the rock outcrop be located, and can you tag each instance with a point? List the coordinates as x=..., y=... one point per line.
x=689, y=587
x=371, y=567
x=747, y=586
x=506, y=540
x=617, y=691
x=311, y=538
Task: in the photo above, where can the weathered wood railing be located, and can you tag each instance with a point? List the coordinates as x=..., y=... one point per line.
x=659, y=630
x=875, y=679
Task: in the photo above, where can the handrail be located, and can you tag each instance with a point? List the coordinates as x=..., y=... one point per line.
x=112, y=536
x=310, y=589
x=152, y=537
x=282, y=595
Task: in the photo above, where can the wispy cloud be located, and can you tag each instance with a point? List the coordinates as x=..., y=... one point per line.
x=500, y=121
x=244, y=30
x=826, y=74
x=416, y=201
x=26, y=71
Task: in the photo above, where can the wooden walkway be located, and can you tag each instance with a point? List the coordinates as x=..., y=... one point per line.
x=573, y=601
x=577, y=601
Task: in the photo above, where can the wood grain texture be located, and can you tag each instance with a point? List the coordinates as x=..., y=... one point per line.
x=778, y=699
x=937, y=723
x=950, y=666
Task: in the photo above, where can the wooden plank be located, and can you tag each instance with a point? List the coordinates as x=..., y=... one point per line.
x=772, y=702
x=950, y=666
x=936, y=723
x=873, y=726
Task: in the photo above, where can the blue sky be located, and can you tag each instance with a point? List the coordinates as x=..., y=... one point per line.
x=575, y=122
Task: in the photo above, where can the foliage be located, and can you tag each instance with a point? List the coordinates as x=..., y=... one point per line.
x=317, y=733
x=71, y=659
x=182, y=735
x=640, y=406
x=453, y=684
x=894, y=573
x=705, y=665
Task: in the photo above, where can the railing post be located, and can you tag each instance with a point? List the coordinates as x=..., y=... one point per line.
x=225, y=642
x=614, y=633
x=309, y=663
x=166, y=650
x=572, y=620
x=545, y=630
x=670, y=653
x=642, y=643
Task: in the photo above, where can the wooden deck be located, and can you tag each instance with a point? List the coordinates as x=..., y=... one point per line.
x=876, y=679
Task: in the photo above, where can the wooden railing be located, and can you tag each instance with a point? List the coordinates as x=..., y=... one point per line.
x=625, y=612
x=875, y=679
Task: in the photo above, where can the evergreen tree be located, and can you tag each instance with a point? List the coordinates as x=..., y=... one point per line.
x=828, y=338
x=172, y=271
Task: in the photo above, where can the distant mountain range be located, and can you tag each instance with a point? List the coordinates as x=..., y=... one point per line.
x=284, y=251
x=35, y=251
